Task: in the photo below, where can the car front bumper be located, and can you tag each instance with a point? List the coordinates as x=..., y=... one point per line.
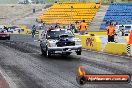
x=65, y=49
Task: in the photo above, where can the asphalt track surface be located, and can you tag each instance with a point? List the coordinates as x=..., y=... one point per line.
x=22, y=61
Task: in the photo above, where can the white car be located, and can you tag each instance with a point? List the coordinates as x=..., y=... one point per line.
x=59, y=41
x=4, y=35
x=126, y=28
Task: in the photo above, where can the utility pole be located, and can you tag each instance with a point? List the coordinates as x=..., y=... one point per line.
x=71, y=14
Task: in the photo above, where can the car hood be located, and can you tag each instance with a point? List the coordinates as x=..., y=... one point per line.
x=64, y=39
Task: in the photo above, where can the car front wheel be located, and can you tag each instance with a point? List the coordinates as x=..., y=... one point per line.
x=68, y=53
x=8, y=38
x=48, y=54
x=78, y=52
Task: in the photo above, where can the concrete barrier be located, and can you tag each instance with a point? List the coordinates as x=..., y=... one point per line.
x=90, y=42
x=127, y=38
x=129, y=49
x=99, y=43
x=116, y=48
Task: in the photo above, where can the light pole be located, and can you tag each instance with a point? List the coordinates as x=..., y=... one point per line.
x=71, y=14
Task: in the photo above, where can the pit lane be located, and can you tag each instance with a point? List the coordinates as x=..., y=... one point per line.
x=23, y=63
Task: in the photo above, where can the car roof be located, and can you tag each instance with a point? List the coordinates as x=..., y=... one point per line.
x=57, y=29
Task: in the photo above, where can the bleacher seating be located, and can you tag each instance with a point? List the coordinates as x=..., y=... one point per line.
x=118, y=12
x=63, y=14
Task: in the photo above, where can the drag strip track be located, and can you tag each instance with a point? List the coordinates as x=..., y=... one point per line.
x=28, y=48
x=24, y=63
x=21, y=46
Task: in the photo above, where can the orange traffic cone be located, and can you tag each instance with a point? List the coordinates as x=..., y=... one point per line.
x=130, y=38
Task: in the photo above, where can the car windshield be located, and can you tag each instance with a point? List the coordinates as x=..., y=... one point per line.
x=52, y=34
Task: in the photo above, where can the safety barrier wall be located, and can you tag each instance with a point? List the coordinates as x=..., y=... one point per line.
x=129, y=49
x=97, y=43
x=116, y=48
x=98, y=32
x=90, y=42
x=127, y=38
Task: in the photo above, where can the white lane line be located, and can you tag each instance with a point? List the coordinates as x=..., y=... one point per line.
x=116, y=55
x=84, y=49
x=122, y=56
x=35, y=40
x=8, y=79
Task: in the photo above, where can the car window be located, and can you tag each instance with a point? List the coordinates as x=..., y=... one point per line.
x=56, y=33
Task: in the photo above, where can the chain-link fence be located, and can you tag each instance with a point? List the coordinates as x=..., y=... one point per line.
x=52, y=1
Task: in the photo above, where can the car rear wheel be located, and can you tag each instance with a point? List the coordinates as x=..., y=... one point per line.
x=42, y=51
x=78, y=52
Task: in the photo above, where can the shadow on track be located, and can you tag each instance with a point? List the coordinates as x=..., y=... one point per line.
x=60, y=58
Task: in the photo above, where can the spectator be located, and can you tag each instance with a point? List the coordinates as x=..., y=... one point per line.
x=73, y=28
x=77, y=26
x=83, y=27
x=76, y=22
x=33, y=31
x=51, y=27
x=19, y=30
x=111, y=32
x=57, y=25
x=116, y=23
x=55, y=1
x=122, y=30
x=44, y=25
x=67, y=27
x=41, y=26
x=64, y=26
x=107, y=22
x=5, y=28
x=34, y=10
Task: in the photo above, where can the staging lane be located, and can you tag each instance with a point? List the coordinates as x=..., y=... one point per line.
x=31, y=70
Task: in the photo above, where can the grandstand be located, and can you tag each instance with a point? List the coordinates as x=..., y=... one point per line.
x=70, y=12
x=120, y=13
